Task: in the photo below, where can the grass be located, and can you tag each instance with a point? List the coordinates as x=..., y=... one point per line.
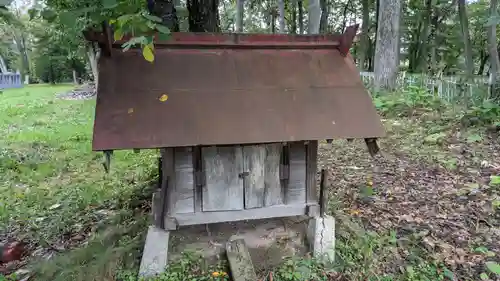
x=53, y=187
x=55, y=195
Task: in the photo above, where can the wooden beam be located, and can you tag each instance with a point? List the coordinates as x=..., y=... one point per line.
x=276, y=211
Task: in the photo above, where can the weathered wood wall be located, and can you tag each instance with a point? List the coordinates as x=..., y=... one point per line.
x=239, y=178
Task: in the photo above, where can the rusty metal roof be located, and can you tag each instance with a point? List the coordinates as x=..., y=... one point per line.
x=223, y=93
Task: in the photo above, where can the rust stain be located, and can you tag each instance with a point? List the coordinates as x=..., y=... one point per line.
x=227, y=94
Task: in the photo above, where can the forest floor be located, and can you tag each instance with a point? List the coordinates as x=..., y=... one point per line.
x=425, y=208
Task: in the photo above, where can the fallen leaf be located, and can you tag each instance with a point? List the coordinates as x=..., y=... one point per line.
x=164, y=98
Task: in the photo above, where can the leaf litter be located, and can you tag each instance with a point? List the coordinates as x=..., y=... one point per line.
x=447, y=210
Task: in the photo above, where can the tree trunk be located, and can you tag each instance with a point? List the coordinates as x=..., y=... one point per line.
x=203, y=15
x=294, y=17
x=93, y=57
x=469, y=63
x=281, y=11
x=3, y=67
x=165, y=9
x=365, y=38
x=424, y=38
x=482, y=64
x=386, y=50
x=433, y=36
x=240, y=7
x=301, y=16
x=314, y=11
x=377, y=14
x=323, y=23
x=494, y=60
x=344, y=15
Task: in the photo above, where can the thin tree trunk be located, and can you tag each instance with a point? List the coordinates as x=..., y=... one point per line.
x=469, y=63
x=165, y=9
x=344, y=16
x=240, y=7
x=203, y=15
x=363, y=52
x=3, y=67
x=377, y=14
x=273, y=21
x=424, y=38
x=482, y=65
x=294, y=17
x=433, y=37
x=93, y=57
x=301, y=16
x=323, y=23
x=314, y=11
x=494, y=60
x=386, y=50
x=281, y=14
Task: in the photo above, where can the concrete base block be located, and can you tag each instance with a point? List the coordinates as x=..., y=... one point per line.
x=155, y=254
x=321, y=237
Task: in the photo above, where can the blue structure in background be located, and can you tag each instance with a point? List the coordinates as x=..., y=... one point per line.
x=10, y=80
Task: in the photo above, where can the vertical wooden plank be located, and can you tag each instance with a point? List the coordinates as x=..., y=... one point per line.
x=311, y=169
x=223, y=189
x=273, y=189
x=296, y=189
x=167, y=155
x=183, y=195
x=254, y=157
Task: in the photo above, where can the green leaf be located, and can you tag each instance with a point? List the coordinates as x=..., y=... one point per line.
x=448, y=274
x=163, y=29
x=484, y=276
x=108, y=4
x=32, y=13
x=68, y=18
x=153, y=18
x=494, y=180
x=122, y=20
x=474, y=138
x=481, y=250
x=493, y=267
x=48, y=15
x=118, y=34
x=147, y=53
x=163, y=36
x=4, y=3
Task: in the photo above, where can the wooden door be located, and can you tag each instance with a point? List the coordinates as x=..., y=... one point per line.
x=223, y=188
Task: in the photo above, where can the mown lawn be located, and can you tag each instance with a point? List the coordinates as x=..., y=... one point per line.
x=54, y=192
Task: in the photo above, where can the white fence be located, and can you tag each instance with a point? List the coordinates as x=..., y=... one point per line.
x=449, y=88
x=10, y=80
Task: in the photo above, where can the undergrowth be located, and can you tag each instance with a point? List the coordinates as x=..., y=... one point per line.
x=53, y=189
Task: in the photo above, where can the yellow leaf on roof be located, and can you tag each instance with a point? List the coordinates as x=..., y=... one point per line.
x=164, y=97
x=147, y=52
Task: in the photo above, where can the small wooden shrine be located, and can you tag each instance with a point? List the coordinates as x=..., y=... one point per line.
x=237, y=117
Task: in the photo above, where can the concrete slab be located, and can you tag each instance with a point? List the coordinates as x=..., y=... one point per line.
x=155, y=254
x=321, y=237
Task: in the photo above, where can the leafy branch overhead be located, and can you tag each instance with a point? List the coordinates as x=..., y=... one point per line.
x=128, y=19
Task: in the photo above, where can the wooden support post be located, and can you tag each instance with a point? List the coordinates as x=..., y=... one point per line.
x=240, y=261
x=322, y=197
